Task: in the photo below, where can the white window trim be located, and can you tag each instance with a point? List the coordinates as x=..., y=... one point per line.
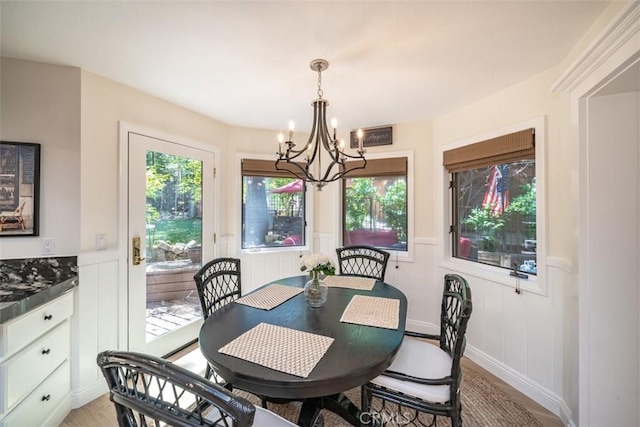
x=308, y=212
x=535, y=283
x=399, y=256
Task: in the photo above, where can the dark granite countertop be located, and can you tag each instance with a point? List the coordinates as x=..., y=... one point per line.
x=29, y=283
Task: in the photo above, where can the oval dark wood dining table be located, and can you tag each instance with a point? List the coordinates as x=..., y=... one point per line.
x=358, y=354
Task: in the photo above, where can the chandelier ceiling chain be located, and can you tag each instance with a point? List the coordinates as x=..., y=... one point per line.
x=306, y=163
x=320, y=92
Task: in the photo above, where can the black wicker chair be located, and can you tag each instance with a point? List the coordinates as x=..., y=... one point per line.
x=145, y=389
x=425, y=377
x=218, y=284
x=362, y=261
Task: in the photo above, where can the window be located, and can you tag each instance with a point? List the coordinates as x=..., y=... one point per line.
x=273, y=207
x=375, y=205
x=494, y=201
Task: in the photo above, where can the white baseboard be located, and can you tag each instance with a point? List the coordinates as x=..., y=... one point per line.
x=515, y=379
x=89, y=393
x=422, y=327
x=534, y=391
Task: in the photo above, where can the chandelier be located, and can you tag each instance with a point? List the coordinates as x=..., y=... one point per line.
x=306, y=163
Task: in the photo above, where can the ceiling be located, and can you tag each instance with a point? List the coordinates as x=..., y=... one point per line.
x=247, y=63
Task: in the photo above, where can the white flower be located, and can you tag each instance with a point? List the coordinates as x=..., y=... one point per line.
x=315, y=262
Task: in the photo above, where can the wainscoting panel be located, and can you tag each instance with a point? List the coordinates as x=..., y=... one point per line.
x=516, y=337
x=96, y=323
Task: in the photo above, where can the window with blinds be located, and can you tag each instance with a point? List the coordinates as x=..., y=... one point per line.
x=375, y=205
x=273, y=207
x=493, y=196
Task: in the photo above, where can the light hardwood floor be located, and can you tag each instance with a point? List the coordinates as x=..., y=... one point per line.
x=100, y=412
x=546, y=418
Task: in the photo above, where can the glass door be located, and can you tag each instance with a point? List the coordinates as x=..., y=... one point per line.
x=170, y=236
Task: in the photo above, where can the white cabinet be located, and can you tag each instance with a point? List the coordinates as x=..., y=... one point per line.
x=34, y=364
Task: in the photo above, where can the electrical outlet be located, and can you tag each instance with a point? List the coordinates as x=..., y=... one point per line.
x=48, y=246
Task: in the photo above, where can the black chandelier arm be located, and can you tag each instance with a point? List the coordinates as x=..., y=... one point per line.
x=342, y=173
x=312, y=135
x=303, y=173
x=360, y=155
x=287, y=154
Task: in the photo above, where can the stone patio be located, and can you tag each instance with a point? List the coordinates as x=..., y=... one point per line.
x=165, y=316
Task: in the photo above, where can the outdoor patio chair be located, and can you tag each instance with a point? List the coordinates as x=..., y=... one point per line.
x=426, y=377
x=13, y=218
x=148, y=390
x=362, y=261
x=218, y=284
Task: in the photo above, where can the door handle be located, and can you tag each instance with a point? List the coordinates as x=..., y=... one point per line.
x=136, y=259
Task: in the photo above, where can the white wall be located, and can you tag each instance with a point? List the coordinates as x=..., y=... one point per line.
x=609, y=48
x=101, y=320
x=40, y=103
x=613, y=205
x=529, y=340
x=104, y=104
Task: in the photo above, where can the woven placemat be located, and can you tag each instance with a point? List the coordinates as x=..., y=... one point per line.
x=279, y=348
x=270, y=296
x=360, y=283
x=372, y=311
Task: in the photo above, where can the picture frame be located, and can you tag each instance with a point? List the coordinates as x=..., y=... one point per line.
x=19, y=189
x=373, y=137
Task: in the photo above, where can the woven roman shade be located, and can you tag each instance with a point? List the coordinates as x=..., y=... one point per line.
x=254, y=167
x=394, y=166
x=502, y=149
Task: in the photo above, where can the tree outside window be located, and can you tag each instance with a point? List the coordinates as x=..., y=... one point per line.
x=375, y=212
x=273, y=212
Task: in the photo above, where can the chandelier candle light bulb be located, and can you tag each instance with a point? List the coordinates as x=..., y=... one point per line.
x=280, y=142
x=292, y=126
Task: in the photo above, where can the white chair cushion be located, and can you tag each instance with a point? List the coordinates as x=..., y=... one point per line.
x=419, y=359
x=265, y=417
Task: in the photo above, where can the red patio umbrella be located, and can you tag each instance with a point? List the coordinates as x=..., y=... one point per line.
x=293, y=187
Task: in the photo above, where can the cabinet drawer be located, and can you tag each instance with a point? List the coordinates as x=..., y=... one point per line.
x=28, y=368
x=19, y=332
x=43, y=401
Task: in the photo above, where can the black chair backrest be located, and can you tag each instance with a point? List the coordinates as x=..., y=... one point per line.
x=454, y=317
x=145, y=388
x=363, y=261
x=218, y=284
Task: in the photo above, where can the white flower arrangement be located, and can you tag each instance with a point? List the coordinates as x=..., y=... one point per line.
x=318, y=263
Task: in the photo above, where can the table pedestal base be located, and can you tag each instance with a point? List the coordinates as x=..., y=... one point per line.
x=336, y=403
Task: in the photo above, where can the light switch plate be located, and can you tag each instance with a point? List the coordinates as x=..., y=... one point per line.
x=101, y=242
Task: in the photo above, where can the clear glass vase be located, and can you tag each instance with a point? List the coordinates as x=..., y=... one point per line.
x=315, y=290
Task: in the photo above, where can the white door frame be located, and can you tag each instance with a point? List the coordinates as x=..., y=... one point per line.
x=611, y=52
x=123, y=208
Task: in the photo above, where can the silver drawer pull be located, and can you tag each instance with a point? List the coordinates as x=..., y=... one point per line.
x=47, y=351
x=47, y=397
x=48, y=317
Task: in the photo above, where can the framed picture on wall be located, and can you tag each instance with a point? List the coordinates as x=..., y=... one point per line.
x=19, y=188
x=373, y=137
